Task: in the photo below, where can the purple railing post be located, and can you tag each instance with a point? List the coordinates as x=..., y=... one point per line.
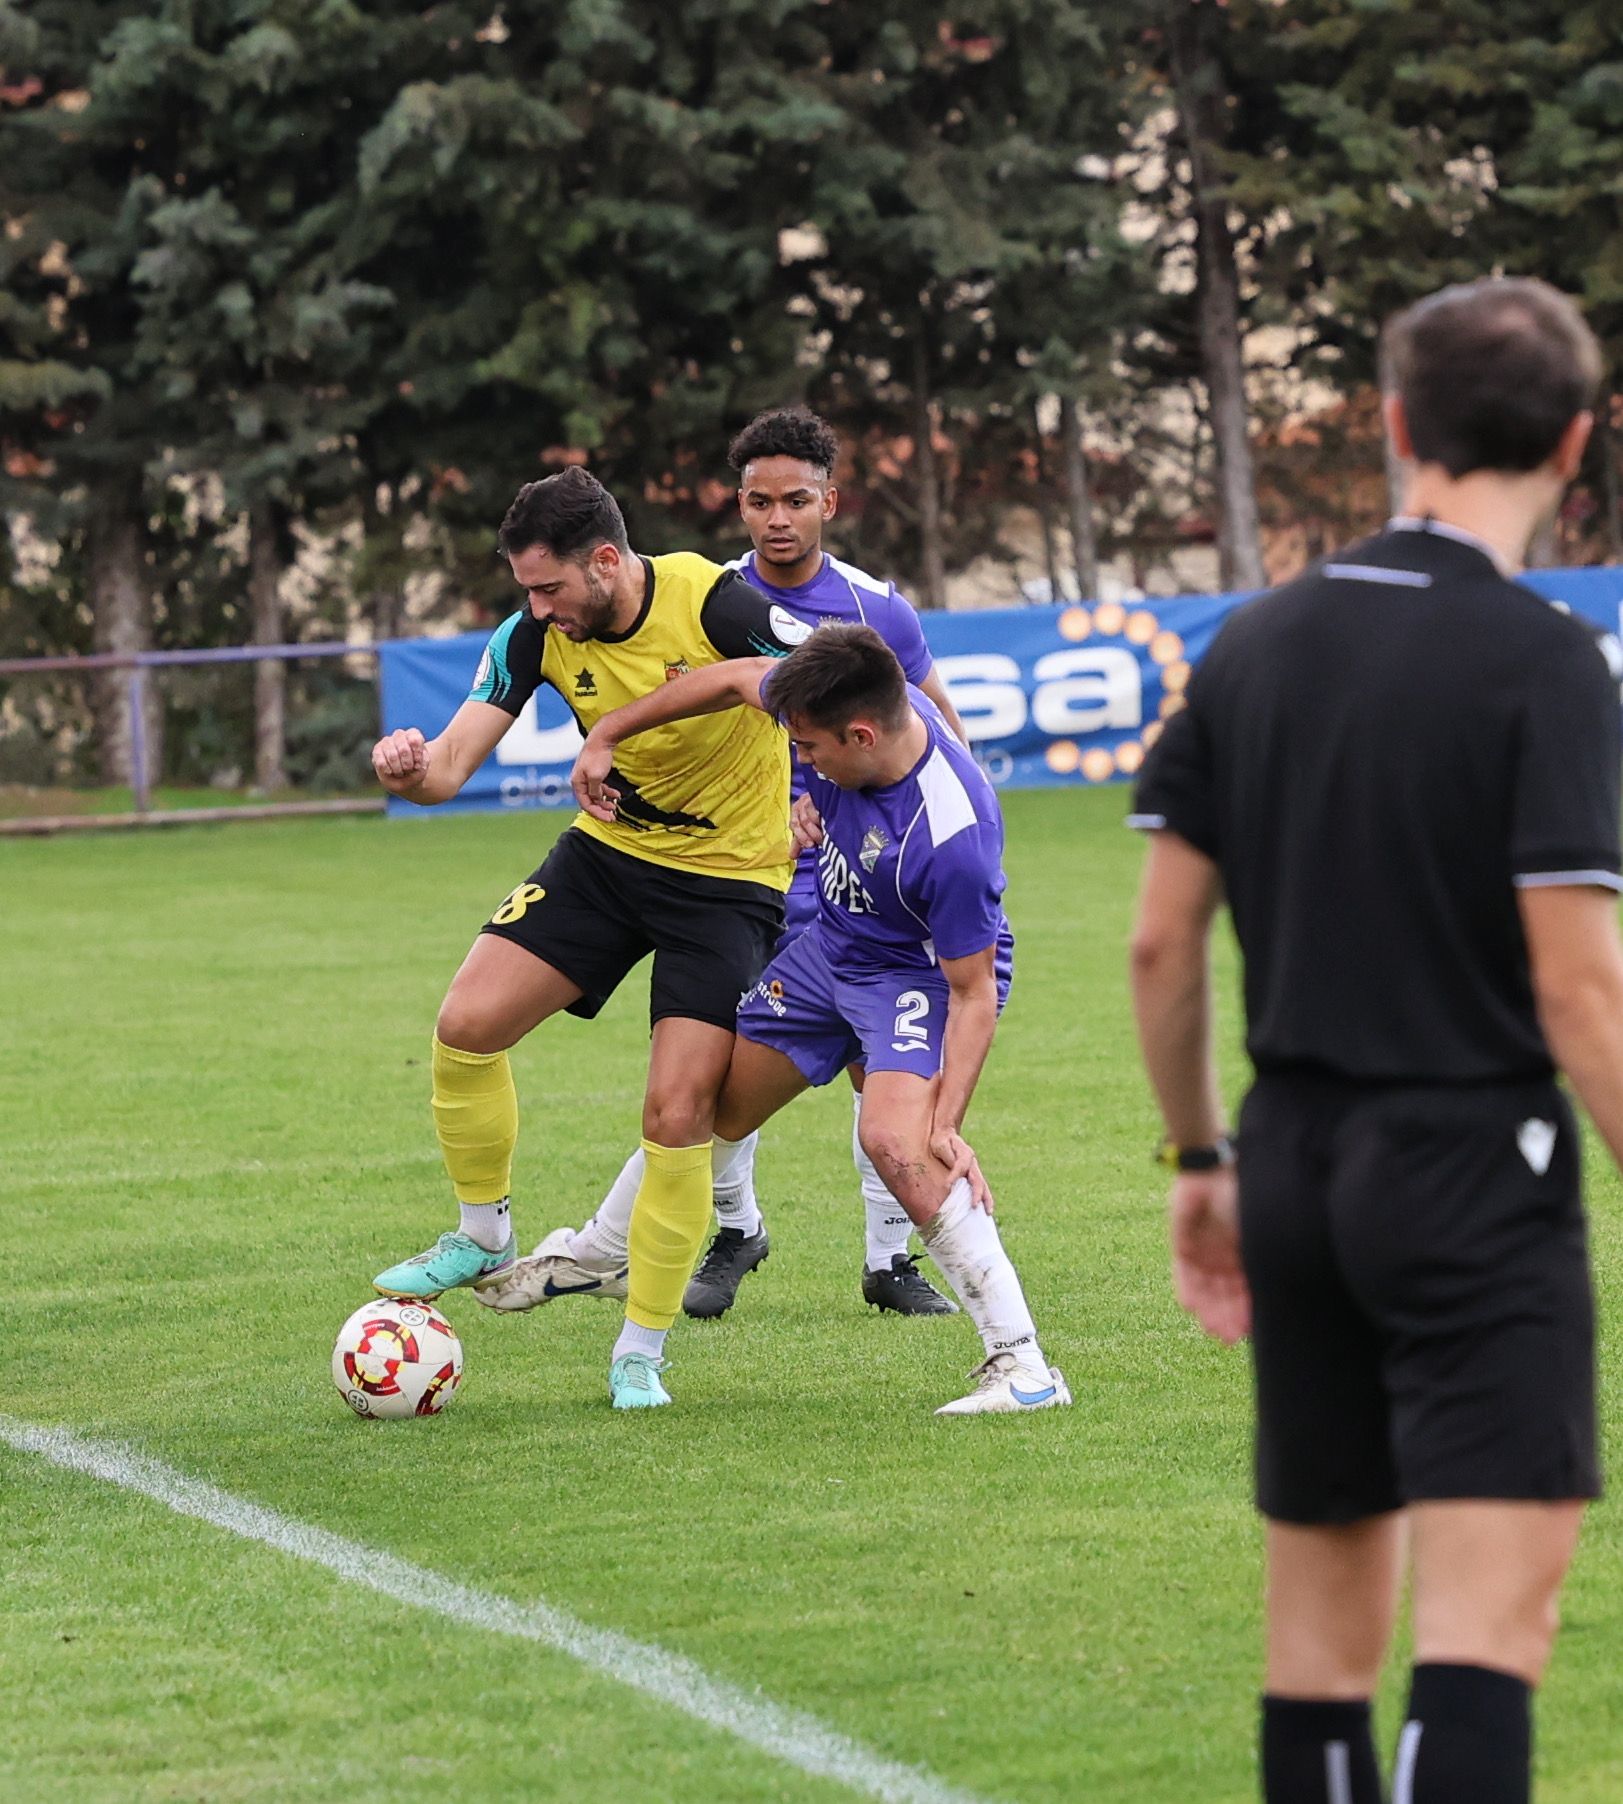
x=138, y=737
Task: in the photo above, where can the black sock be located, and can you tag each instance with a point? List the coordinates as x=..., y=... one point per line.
x=1318, y=1751
x=1468, y=1740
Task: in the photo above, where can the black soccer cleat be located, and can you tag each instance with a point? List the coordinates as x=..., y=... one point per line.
x=728, y=1261
x=905, y=1289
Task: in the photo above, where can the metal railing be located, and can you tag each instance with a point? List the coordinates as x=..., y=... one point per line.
x=138, y=664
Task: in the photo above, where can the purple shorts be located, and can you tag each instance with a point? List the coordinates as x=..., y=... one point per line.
x=886, y=1021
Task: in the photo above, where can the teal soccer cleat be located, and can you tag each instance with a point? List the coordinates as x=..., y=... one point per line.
x=452, y=1262
x=634, y=1382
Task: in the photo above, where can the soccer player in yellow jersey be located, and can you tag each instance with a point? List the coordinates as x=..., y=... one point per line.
x=693, y=868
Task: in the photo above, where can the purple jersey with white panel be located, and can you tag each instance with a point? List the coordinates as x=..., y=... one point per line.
x=840, y=592
x=908, y=874
x=911, y=873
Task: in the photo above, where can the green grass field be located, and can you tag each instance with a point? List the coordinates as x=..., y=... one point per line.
x=213, y=1084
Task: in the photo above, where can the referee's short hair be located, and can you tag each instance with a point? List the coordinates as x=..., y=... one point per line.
x=840, y=674
x=571, y=514
x=1490, y=373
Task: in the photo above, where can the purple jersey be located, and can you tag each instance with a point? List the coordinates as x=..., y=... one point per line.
x=911, y=873
x=843, y=593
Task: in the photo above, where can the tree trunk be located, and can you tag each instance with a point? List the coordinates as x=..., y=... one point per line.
x=266, y=533
x=933, y=562
x=1611, y=479
x=1396, y=476
x=1198, y=76
x=115, y=542
x=1045, y=513
x=385, y=604
x=1079, y=502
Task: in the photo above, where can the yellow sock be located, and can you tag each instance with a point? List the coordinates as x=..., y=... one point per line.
x=476, y=1117
x=668, y=1221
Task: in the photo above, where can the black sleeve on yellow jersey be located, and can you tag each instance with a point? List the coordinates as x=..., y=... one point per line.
x=510, y=670
x=741, y=623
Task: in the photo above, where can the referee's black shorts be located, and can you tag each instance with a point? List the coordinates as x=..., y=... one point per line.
x=592, y=913
x=1423, y=1325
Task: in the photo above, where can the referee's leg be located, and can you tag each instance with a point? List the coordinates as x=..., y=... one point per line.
x=1487, y=1577
x=1332, y=1599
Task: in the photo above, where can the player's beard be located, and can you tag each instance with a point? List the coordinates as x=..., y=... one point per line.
x=776, y=558
x=599, y=612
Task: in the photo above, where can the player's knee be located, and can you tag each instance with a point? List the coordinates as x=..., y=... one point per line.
x=732, y=1122
x=678, y=1120
x=890, y=1147
x=462, y=1023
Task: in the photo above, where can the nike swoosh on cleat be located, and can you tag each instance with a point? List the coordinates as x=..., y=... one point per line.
x=1030, y=1398
x=549, y=1289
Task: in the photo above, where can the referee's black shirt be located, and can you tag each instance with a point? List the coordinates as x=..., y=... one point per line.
x=1376, y=756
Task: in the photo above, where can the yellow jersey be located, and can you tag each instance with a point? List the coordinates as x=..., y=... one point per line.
x=709, y=795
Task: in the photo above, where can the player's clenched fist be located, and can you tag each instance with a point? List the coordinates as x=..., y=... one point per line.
x=400, y=760
x=805, y=824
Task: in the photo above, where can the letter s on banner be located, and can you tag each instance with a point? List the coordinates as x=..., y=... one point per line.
x=1086, y=691
x=527, y=742
x=987, y=692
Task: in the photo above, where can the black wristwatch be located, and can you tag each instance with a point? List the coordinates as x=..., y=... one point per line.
x=1197, y=1158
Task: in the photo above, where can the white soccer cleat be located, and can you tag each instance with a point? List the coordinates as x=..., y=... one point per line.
x=550, y=1272
x=1004, y=1387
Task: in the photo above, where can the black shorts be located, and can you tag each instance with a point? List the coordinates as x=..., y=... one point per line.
x=1423, y=1325
x=592, y=913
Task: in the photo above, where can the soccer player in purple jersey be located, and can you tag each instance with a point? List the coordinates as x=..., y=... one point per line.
x=903, y=971
x=786, y=493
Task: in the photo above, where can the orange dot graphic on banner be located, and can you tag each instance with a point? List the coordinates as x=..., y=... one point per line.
x=1110, y=618
x=1063, y=756
x=1142, y=626
x=1075, y=623
x=1151, y=733
x=1097, y=764
x=1170, y=705
x=1166, y=648
x=1129, y=757
x=1175, y=678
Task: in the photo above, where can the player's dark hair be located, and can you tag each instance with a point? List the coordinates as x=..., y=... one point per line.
x=570, y=514
x=786, y=432
x=840, y=674
x=1490, y=373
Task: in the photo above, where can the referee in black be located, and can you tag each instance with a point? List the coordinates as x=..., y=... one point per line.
x=1401, y=771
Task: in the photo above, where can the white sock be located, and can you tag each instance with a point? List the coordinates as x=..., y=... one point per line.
x=603, y=1240
x=888, y=1224
x=486, y=1224
x=733, y=1183
x=963, y=1241
x=640, y=1340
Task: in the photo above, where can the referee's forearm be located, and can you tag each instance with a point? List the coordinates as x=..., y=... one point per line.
x=1172, y=1002
x=1584, y=1029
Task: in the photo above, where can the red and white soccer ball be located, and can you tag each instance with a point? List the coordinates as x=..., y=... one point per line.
x=397, y=1359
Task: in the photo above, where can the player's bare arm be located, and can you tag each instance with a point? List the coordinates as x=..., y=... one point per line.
x=933, y=687
x=427, y=771
x=971, y=1023
x=1576, y=957
x=734, y=683
x=1172, y=1001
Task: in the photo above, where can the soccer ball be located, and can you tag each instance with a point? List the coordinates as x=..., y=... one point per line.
x=397, y=1359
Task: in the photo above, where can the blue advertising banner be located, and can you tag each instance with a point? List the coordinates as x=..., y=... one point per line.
x=1049, y=695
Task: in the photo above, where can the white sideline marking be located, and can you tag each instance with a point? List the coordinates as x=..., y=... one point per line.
x=792, y=1736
